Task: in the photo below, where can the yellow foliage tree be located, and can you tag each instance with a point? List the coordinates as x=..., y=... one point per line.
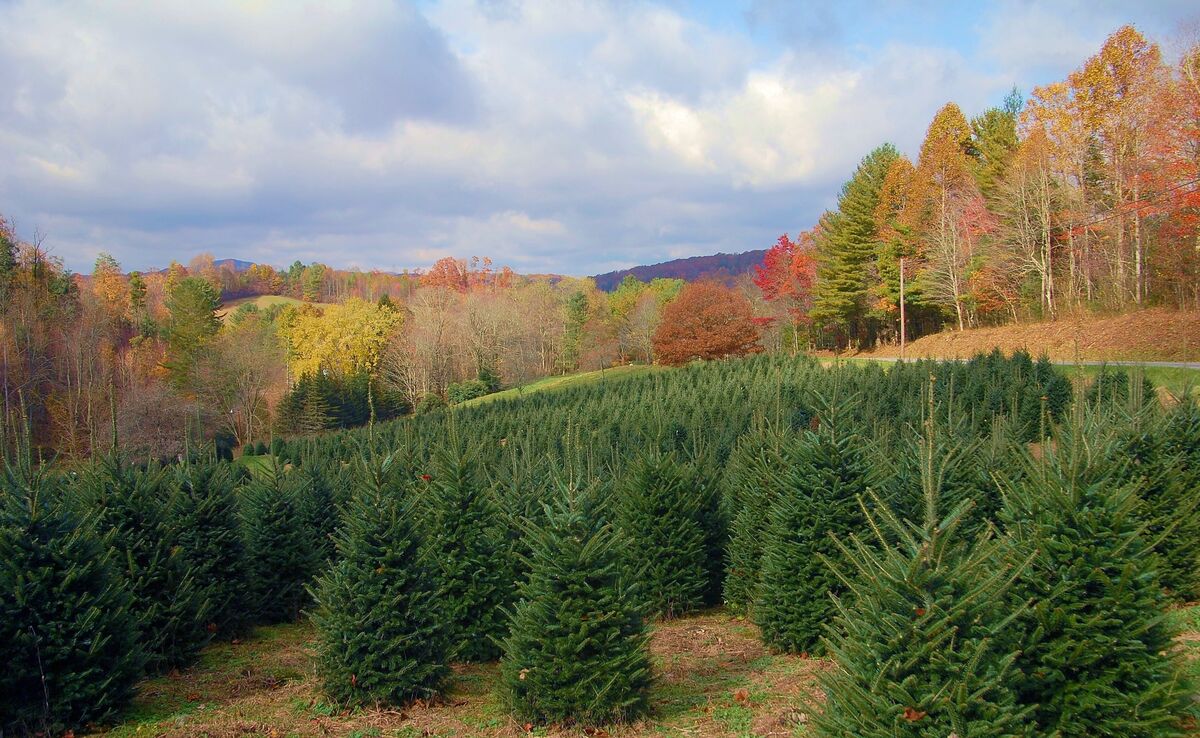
x=344, y=338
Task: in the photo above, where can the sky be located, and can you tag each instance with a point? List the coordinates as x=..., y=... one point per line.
x=562, y=136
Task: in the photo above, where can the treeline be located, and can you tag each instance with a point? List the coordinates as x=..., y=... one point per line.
x=975, y=544
x=1083, y=197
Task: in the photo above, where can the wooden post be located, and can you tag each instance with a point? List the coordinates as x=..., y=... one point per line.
x=902, y=334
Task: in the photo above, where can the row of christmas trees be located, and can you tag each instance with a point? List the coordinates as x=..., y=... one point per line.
x=965, y=581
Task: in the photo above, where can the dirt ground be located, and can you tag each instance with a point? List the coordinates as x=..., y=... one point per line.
x=1156, y=334
x=714, y=678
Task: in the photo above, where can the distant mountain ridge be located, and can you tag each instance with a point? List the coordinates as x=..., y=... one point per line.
x=721, y=267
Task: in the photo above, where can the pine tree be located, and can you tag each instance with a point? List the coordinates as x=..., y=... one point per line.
x=660, y=520
x=383, y=634
x=318, y=513
x=132, y=513
x=577, y=650
x=466, y=545
x=278, y=546
x=207, y=527
x=68, y=641
x=1094, y=645
x=753, y=483
x=820, y=500
x=917, y=637
x=1180, y=555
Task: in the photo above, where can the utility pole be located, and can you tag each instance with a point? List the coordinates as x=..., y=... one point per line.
x=902, y=336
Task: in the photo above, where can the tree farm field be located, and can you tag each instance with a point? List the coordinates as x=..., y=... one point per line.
x=715, y=678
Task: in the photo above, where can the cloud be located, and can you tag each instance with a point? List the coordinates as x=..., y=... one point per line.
x=573, y=136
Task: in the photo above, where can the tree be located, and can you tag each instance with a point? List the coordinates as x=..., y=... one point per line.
x=466, y=547
x=131, y=512
x=706, y=321
x=242, y=366
x=68, y=641
x=383, y=639
x=994, y=139
x=278, y=546
x=916, y=638
x=205, y=523
x=660, y=518
x=786, y=276
x=819, y=502
x=192, y=321
x=1094, y=650
x=448, y=273
x=846, y=246
x=577, y=646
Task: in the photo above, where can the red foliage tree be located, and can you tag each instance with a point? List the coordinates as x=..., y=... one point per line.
x=448, y=272
x=706, y=321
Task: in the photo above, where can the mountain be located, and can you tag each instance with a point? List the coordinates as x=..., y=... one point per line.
x=237, y=265
x=721, y=267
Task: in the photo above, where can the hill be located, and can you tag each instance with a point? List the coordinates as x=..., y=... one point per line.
x=262, y=302
x=1155, y=334
x=722, y=267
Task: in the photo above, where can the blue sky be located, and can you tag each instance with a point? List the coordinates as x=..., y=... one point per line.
x=569, y=136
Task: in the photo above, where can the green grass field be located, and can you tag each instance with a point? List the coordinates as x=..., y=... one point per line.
x=550, y=384
x=262, y=302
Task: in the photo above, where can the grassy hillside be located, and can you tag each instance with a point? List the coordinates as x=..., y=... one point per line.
x=550, y=384
x=262, y=302
x=1156, y=334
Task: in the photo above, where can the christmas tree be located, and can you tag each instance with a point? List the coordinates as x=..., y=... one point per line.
x=466, y=543
x=753, y=482
x=205, y=523
x=68, y=641
x=283, y=557
x=917, y=635
x=660, y=519
x=383, y=634
x=132, y=514
x=1094, y=646
x=819, y=500
x=577, y=646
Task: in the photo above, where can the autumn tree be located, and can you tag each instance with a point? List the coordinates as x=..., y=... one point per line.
x=706, y=321
x=786, y=277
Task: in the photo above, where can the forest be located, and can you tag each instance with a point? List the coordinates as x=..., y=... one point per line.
x=950, y=535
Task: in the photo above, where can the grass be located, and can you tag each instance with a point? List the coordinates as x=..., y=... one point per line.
x=263, y=302
x=1175, y=379
x=549, y=384
x=714, y=678
x=256, y=464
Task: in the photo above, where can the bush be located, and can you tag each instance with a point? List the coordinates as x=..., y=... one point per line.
x=429, y=403
x=382, y=632
x=577, y=650
x=64, y=615
x=468, y=390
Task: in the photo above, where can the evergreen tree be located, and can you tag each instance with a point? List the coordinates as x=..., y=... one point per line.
x=753, y=483
x=847, y=246
x=278, y=546
x=206, y=525
x=660, y=519
x=383, y=634
x=577, y=650
x=318, y=513
x=1094, y=645
x=68, y=641
x=917, y=637
x=1178, y=513
x=132, y=513
x=819, y=500
x=466, y=545
x=192, y=304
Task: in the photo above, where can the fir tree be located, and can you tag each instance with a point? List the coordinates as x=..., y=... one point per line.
x=466, y=545
x=660, y=519
x=819, y=500
x=917, y=637
x=206, y=525
x=278, y=546
x=132, y=513
x=68, y=641
x=383, y=634
x=753, y=483
x=1094, y=645
x=1180, y=555
x=577, y=650
x=318, y=513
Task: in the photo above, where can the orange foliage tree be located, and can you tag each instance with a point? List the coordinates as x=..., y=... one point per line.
x=706, y=321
